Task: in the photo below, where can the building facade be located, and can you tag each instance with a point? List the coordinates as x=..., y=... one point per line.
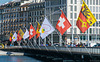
x=1, y=18
x=16, y=15
x=72, y=8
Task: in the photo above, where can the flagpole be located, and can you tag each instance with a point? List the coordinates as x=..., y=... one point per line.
x=96, y=31
x=26, y=43
x=45, y=16
x=39, y=37
x=88, y=29
x=72, y=23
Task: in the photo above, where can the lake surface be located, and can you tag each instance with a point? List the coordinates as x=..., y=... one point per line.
x=18, y=59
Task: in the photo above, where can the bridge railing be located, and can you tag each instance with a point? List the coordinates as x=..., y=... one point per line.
x=87, y=50
x=76, y=50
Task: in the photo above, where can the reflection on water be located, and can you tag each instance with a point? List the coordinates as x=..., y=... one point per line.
x=17, y=59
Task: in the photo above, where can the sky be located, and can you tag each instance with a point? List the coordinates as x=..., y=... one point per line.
x=4, y=1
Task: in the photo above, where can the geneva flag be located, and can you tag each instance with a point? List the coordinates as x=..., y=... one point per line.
x=37, y=31
x=62, y=24
x=19, y=36
x=85, y=19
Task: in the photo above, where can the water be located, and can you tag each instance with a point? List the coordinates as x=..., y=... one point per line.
x=17, y=59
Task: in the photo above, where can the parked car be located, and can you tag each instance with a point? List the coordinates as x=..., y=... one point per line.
x=97, y=45
x=56, y=44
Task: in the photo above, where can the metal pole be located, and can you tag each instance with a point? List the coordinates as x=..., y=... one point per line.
x=39, y=36
x=52, y=24
x=96, y=33
x=45, y=16
x=88, y=29
x=60, y=40
x=39, y=40
x=72, y=22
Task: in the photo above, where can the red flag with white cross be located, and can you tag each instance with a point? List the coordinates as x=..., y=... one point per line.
x=32, y=32
x=63, y=24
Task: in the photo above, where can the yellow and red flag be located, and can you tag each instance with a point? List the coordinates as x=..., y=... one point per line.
x=11, y=34
x=37, y=31
x=21, y=33
x=19, y=36
x=10, y=38
x=85, y=19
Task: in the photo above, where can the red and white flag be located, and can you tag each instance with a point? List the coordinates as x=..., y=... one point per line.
x=63, y=24
x=32, y=32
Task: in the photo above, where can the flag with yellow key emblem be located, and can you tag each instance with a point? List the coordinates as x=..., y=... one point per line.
x=85, y=19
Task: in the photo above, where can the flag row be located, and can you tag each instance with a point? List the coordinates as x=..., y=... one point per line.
x=84, y=21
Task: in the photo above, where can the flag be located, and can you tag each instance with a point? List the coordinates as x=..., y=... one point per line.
x=10, y=39
x=19, y=36
x=21, y=33
x=85, y=19
x=11, y=34
x=32, y=32
x=14, y=37
x=37, y=31
x=46, y=28
x=26, y=34
x=63, y=24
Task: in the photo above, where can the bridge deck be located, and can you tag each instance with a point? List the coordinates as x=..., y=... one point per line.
x=72, y=50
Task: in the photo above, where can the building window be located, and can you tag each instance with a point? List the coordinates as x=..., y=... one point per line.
x=93, y=8
x=47, y=3
x=56, y=2
x=96, y=31
x=75, y=9
x=71, y=1
x=71, y=15
x=75, y=30
x=90, y=30
x=96, y=2
x=90, y=37
x=87, y=1
x=81, y=37
x=91, y=2
x=96, y=9
x=64, y=1
x=71, y=8
x=93, y=30
x=99, y=30
x=75, y=1
x=84, y=37
x=75, y=15
x=99, y=2
x=96, y=16
x=99, y=23
x=99, y=16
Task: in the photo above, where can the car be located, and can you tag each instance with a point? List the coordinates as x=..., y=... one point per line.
x=97, y=45
x=56, y=44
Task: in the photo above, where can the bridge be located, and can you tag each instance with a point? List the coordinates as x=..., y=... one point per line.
x=59, y=51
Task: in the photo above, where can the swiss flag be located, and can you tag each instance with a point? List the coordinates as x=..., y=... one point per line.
x=63, y=24
x=32, y=32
